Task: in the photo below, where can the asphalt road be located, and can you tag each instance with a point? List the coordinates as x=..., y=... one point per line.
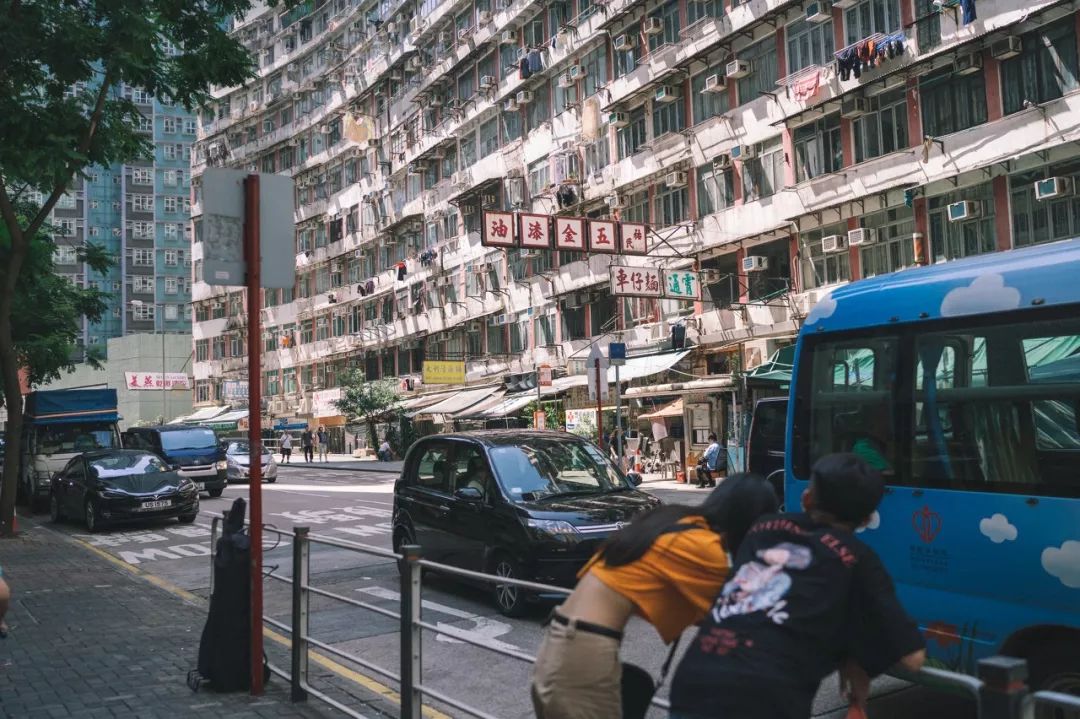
x=356, y=505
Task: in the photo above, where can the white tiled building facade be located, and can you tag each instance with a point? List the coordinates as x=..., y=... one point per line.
x=778, y=148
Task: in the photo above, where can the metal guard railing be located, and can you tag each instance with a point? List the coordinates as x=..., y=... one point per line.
x=999, y=689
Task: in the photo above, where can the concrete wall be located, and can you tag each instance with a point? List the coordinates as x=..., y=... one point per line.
x=138, y=353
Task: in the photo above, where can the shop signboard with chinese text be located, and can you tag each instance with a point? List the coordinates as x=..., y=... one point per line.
x=635, y=281
x=569, y=233
x=535, y=231
x=543, y=378
x=498, y=229
x=602, y=236
x=234, y=389
x=443, y=372
x=153, y=380
x=682, y=285
x=635, y=238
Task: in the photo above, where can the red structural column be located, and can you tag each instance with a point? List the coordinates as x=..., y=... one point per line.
x=1002, y=216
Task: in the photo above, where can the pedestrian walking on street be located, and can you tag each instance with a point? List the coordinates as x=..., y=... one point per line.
x=385, y=454
x=666, y=567
x=285, y=442
x=323, y=438
x=807, y=598
x=709, y=463
x=307, y=440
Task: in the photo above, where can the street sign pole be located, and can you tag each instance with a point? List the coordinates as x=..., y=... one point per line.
x=254, y=300
x=618, y=419
x=599, y=406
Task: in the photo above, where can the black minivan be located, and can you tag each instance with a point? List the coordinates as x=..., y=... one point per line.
x=194, y=451
x=524, y=504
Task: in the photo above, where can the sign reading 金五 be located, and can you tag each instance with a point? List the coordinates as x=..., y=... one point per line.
x=635, y=238
x=682, y=285
x=602, y=236
x=443, y=372
x=535, y=231
x=498, y=229
x=635, y=281
x=153, y=380
x=569, y=233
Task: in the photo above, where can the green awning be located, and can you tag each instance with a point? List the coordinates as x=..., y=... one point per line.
x=777, y=370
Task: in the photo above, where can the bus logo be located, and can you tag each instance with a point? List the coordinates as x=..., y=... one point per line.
x=927, y=523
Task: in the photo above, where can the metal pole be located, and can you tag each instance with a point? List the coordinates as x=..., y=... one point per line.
x=599, y=407
x=1004, y=693
x=412, y=700
x=164, y=379
x=213, y=548
x=253, y=258
x=618, y=418
x=300, y=599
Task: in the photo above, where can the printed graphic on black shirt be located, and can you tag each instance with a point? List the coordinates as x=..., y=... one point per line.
x=758, y=587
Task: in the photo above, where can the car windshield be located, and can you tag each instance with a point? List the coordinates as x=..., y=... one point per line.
x=548, y=467
x=241, y=448
x=123, y=465
x=70, y=438
x=194, y=438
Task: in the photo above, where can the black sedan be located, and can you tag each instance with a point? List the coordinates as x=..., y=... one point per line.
x=515, y=503
x=121, y=485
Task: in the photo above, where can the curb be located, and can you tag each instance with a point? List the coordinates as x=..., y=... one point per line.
x=320, y=465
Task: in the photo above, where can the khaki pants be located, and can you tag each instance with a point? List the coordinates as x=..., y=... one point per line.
x=323, y=450
x=577, y=675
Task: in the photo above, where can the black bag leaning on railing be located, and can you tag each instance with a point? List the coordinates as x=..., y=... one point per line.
x=638, y=687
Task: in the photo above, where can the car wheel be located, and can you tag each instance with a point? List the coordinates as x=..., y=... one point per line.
x=90, y=517
x=1055, y=667
x=509, y=600
x=55, y=514
x=187, y=518
x=216, y=492
x=271, y=480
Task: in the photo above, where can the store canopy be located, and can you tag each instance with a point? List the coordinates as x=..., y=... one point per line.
x=226, y=421
x=458, y=402
x=203, y=415
x=426, y=400
x=638, y=367
x=506, y=406
x=674, y=409
x=777, y=370
x=481, y=410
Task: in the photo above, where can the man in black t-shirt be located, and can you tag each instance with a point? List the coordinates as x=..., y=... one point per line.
x=805, y=597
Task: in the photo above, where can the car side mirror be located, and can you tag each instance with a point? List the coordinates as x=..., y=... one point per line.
x=469, y=494
x=635, y=478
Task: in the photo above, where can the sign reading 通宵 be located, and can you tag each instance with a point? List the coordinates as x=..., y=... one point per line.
x=498, y=229
x=635, y=281
x=153, y=380
x=443, y=372
x=682, y=285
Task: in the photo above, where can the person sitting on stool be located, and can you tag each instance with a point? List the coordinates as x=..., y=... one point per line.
x=708, y=462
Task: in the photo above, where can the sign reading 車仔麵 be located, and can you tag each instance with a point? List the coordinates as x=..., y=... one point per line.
x=443, y=372
x=636, y=281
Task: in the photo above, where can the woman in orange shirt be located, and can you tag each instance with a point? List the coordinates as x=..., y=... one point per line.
x=667, y=567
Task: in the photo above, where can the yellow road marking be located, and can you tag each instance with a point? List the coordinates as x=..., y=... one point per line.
x=372, y=685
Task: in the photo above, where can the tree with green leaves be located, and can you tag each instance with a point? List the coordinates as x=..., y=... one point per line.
x=61, y=64
x=368, y=402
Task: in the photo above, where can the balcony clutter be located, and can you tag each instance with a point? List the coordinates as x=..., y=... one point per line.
x=868, y=53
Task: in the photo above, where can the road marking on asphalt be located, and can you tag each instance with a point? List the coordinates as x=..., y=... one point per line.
x=484, y=629
x=382, y=488
x=322, y=660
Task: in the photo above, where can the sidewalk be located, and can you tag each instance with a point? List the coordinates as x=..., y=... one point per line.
x=342, y=462
x=90, y=640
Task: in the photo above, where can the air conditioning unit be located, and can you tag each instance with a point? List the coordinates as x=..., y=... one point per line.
x=443, y=281
x=833, y=243
x=416, y=25
x=964, y=210
x=1053, y=188
x=861, y=236
x=618, y=119
x=755, y=263
x=459, y=179
x=577, y=72
x=666, y=93
x=510, y=105
x=968, y=63
x=565, y=81
x=358, y=254
x=464, y=33
x=335, y=267
x=1007, y=47
x=744, y=152
x=844, y=4
x=488, y=81
x=737, y=69
x=524, y=97
x=675, y=179
x=475, y=327
x=818, y=12
x=715, y=83
x=624, y=43
x=414, y=63
x=652, y=26
x=483, y=17
x=851, y=107
x=722, y=161
x=614, y=201
x=508, y=37
x=499, y=320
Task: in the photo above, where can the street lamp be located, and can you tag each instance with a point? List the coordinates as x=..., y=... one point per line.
x=164, y=382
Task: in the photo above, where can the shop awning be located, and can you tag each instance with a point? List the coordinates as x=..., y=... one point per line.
x=458, y=402
x=203, y=415
x=638, y=367
x=227, y=421
x=707, y=384
x=509, y=406
x=425, y=400
x=777, y=370
x=674, y=409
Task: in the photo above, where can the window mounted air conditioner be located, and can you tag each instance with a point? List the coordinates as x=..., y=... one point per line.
x=715, y=83
x=577, y=72
x=666, y=93
x=1053, y=188
x=675, y=179
x=499, y=320
x=508, y=37
x=833, y=243
x=818, y=12
x=744, y=152
x=565, y=81
x=624, y=43
x=488, y=81
x=510, y=105
x=524, y=97
x=968, y=63
x=755, y=263
x=722, y=161
x=1007, y=47
x=614, y=201
x=737, y=69
x=475, y=327
x=861, y=236
x=851, y=107
x=483, y=17
x=653, y=26
x=964, y=210
x=618, y=119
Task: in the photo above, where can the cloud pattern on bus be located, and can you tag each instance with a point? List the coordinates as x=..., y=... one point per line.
x=997, y=529
x=986, y=293
x=874, y=523
x=1064, y=563
x=822, y=310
